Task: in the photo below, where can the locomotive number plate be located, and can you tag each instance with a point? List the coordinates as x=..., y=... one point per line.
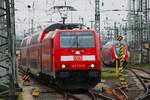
x=77, y=58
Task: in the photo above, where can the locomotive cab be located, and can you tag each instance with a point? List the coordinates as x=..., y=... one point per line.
x=77, y=56
x=64, y=54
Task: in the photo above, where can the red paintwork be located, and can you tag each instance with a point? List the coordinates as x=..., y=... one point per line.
x=108, y=53
x=44, y=56
x=41, y=36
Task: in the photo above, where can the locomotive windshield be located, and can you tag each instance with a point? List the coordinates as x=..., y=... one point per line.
x=76, y=39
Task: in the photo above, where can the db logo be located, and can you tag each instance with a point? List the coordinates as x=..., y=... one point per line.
x=77, y=58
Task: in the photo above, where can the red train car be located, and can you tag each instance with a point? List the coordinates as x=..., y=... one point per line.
x=111, y=53
x=64, y=54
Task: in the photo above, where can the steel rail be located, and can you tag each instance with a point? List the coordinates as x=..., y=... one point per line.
x=146, y=88
x=140, y=69
x=138, y=77
x=120, y=88
x=143, y=77
x=65, y=94
x=100, y=95
x=119, y=93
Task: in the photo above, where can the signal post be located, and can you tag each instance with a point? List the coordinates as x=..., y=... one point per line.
x=119, y=63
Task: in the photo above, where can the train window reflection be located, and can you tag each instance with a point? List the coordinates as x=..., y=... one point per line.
x=86, y=41
x=68, y=42
x=76, y=40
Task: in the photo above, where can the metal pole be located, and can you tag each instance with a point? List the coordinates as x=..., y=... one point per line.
x=148, y=33
x=14, y=44
x=11, y=48
x=91, y=24
x=8, y=50
x=32, y=28
x=97, y=16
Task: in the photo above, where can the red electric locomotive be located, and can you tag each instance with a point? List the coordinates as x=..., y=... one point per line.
x=111, y=53
x=64, y=54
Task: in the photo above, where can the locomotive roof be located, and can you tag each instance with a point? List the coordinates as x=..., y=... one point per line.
x=63, y=26
x=53, y=27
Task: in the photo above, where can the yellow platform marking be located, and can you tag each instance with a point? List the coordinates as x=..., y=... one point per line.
x=35, y=92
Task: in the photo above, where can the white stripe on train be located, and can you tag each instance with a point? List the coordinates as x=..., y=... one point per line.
x=83, y=58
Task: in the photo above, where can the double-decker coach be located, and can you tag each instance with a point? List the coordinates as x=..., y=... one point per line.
x=63, y=54
x=111, y=53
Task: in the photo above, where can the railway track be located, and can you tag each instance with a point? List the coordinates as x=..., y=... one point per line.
x=141, y=70
x=91, y=94
x=119, y=93
x=97, y=95
x=142, y=81
x=86, y=95
x=65, y=95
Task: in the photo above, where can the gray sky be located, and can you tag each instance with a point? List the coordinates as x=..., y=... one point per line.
x=86, y=10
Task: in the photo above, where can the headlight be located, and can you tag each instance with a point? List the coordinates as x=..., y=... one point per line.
x=92, y=65
x=63, y=66
x=77, y=52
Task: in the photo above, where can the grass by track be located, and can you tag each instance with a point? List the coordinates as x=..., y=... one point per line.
x=139, y=65
x=109, y=75
x=19, y=94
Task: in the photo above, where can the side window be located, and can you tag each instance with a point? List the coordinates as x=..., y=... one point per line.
x=24, y=43
x=108, y=44
x=34, y=39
